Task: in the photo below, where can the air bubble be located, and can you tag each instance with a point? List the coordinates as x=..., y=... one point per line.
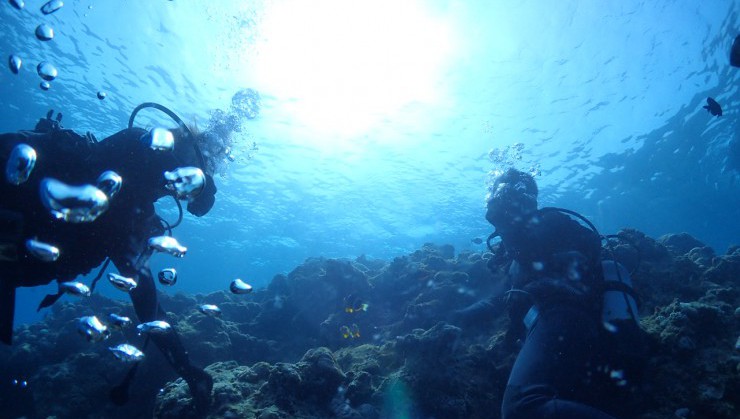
x=185, y=182
x=109, y=182
x=21, y=162
x=160, y=139
x=167, y=276
x=246, y=103
x=44, y=32
x=47, y=71
x=42, y=251
x=14, y=62
x=74, y=204
x=51, y=6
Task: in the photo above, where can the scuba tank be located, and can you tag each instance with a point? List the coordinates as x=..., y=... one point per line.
x=619, y=302
x=626, y=356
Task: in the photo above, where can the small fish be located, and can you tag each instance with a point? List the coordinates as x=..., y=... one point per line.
x=167, y=276
x=350, y=333
x=92, y=329
x=78, y=289
x=209, y=310
x=127, y=353
x=154, y=327
x=167, y=244
x=240, y=287
x=42, y=251
x=121, y=282
x=735, y=53
x=477, y=240
x=713, y=107
x=118, y=322
x=353, y=304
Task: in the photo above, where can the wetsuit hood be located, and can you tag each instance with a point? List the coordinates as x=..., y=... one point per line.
x=512, y=199
x=191, y=154
x=205, y=200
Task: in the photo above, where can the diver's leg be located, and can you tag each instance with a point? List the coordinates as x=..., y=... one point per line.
x=550, y=378
x=133, y=261
x=7, y=311
x=199, y=381
x=144, y=297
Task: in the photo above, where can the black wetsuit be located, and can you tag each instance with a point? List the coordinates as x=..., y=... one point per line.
x=121, y=233
x=556, y=261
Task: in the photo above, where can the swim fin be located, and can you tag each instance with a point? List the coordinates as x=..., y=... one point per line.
x=49, y=300
x=201, y=385
x=119, y=394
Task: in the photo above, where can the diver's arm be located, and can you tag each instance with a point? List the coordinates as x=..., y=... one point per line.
x=486, y=309
x=480, y=311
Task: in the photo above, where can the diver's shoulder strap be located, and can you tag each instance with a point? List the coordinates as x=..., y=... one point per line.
x=620, y=287
x=572, y=213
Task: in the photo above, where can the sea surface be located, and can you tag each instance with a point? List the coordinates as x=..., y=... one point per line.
x=382, y=121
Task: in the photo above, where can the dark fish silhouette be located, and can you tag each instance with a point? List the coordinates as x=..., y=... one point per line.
x=735, y=52
x=713, y=107
x=477, y=240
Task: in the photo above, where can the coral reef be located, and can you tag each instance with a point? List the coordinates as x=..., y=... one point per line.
x=376, y=339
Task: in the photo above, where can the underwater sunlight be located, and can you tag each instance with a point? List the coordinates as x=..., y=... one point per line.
x=341, y=67
x=358, y=209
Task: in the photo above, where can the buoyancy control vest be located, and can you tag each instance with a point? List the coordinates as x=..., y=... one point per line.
x=609, y=289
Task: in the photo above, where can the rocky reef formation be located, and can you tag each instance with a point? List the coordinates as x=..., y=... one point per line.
x=369, y=338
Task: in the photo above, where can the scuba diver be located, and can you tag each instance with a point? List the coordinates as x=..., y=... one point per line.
x=51, y=229
x=582, y=351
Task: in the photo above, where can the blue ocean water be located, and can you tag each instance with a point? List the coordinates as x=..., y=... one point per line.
x=381, y=122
